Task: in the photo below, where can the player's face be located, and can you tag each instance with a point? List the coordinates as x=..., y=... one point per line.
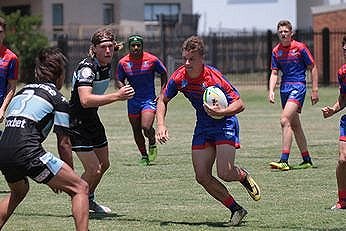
x=104, y=52
x=193, y=63
x=285, y=34
x=136, y=50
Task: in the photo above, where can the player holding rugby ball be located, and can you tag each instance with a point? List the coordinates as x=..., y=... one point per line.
x=213, y=139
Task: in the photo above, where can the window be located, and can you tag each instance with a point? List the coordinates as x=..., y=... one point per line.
x=108, y=15
x=152, y=11
x=58, y=14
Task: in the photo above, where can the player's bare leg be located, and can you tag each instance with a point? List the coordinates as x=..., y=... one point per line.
x=340, y=177
x=68, y=181
x=95, y=164
x=147, y=118
x=10, y=202
x=139, y=139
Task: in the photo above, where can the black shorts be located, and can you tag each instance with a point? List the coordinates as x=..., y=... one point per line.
x=88, y=134
x=41, y=169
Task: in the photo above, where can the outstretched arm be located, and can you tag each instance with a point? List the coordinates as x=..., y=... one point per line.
x=328, y=111
x=88, y=99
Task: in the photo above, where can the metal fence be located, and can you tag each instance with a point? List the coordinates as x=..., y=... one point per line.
x=244, y=57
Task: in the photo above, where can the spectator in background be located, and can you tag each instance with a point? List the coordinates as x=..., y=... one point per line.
x=139, y=68
x=293, y=59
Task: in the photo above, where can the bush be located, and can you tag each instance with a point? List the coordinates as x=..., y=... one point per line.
x=23, y=37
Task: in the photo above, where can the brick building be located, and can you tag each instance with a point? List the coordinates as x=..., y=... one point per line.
x=329, y=18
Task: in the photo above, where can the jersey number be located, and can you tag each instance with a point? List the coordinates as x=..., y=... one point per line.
x=28, y=94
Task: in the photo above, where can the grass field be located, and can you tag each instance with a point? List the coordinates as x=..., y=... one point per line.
x=165, y=196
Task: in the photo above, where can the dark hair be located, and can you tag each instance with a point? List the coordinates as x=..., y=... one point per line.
x=3, y=23
x=193, y=44
x=284, y=23
x=50, y=64
x=343, y=41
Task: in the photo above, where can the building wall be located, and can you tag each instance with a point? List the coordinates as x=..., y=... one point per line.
x=82, y=17
x=333, y=18
x=304, y=14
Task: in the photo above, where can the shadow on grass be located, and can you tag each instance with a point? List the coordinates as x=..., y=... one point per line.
x=92, y=216
x=208, y=223
x=103, y=216
x=42, y=215
x=4, y=191
x=299, y=228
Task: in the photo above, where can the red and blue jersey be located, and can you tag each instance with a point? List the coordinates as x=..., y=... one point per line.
x=342, y=88
x=292, y=61
x=193, y=89
x=342, y=79
x=8, y=70
x=140, y=73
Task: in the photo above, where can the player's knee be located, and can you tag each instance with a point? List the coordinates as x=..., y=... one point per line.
x=93, y=170
x=342, y=161
x=105, y=166
x=148, y=130
x=20, y=193
x=202, y=178
x=83, y=187
x=284, y=121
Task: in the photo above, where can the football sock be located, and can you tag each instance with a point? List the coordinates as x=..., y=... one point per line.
x=284, y=155
x=242, y=175
x=306, y=156
x=143, y=151
x=231, y=204
x=342, y=198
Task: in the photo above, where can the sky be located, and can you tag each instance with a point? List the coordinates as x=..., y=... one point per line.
x=216, y=15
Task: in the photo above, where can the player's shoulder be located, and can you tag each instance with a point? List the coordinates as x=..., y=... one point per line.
x=125, y=58
x=179, y=72
x=299, y=45
x=149, y=56
x=212, y=70
x=86, y=62
x=342, y=70
x=277, y=48
x=9, y=53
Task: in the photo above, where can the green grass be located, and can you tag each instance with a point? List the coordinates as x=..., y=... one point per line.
x=165, y=195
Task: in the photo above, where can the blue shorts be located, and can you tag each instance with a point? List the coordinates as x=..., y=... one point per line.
x=136, y=106
x=41, y=169
x=229, y=134
x=293, y=92
x=342, y=136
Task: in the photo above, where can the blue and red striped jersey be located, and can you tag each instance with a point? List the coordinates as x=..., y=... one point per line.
x=292, y=61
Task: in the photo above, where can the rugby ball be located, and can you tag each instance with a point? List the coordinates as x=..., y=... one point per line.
x=213, y=96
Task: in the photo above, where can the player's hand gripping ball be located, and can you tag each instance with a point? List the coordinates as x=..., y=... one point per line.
x=214, y=96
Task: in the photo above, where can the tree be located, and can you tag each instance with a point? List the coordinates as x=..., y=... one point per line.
x=25, y=39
